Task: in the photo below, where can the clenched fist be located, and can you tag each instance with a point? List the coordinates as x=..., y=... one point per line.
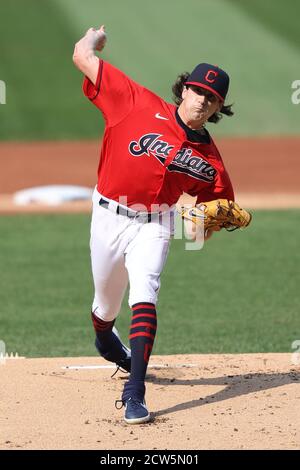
x=96, y=38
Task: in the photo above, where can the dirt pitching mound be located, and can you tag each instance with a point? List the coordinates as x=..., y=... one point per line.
x=247, y=401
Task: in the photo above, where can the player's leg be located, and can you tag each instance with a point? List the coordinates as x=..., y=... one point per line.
x=145, y=259
x=110, y=281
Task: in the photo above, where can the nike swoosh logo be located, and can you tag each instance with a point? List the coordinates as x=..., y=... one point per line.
x=158, y=116
x=196, y=214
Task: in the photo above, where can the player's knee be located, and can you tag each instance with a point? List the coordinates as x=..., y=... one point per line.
x=144, y=289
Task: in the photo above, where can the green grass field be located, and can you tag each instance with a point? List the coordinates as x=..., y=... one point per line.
x=239, y=294
x=257, y=42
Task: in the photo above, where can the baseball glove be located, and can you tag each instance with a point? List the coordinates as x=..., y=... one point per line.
x=217, y=214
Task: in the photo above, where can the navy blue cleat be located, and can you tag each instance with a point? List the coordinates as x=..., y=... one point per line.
x=118, y=352
x=136, y=411
x=133, y=399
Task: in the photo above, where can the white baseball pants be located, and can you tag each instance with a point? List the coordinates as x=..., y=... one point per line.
x=126, y=249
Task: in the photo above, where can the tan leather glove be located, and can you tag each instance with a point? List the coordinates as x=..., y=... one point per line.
x=217, y=214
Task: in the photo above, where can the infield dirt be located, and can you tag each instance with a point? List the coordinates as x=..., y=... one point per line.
x=247, y=401
x=264, y=172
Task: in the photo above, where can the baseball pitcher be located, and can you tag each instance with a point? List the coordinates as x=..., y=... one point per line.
x=152, y=152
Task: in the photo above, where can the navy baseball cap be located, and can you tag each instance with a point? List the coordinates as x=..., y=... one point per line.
x=210, y=77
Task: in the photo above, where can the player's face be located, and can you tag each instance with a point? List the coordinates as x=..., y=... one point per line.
x=199, y=103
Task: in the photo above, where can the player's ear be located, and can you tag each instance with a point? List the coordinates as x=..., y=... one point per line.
x=220, y=106
x=184, y=92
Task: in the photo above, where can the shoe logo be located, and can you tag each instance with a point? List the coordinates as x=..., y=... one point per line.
x=158, y=116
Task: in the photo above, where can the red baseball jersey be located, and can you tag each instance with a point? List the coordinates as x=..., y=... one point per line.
x=146, y=156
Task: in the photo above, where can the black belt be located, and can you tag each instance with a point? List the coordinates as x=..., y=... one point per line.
x=121, y=210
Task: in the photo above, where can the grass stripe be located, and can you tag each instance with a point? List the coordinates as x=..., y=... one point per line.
x=239, y=294
x=280, y=18
x=152, y=42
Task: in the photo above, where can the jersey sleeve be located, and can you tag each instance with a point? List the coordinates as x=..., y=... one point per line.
x=221, y=189
x=114, y=93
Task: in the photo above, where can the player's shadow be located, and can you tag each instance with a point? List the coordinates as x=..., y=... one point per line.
x=235, y=386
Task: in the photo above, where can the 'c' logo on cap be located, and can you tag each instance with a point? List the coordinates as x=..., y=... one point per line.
x=211, y=72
